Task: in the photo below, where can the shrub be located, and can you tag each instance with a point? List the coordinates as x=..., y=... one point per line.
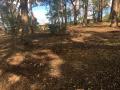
x=53, y=28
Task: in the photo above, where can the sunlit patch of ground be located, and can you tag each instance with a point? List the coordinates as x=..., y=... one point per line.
x=81, y=37
x=55, y=62
x=16, y=59
x=55, y=65
x=7, y=80
x=36, y=86
x=13, y=78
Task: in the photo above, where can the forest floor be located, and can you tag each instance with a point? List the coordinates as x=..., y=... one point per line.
x=87, y=58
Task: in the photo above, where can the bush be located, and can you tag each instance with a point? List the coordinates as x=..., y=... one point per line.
x=53, y=28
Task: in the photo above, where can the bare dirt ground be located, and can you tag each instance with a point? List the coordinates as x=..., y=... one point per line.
x=87, y=59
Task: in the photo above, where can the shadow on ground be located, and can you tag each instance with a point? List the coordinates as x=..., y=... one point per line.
x=88, y=61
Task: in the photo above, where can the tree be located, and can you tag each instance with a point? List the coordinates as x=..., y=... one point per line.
x=58, y=15
x=115, y=10
x=85, y=12
x=74, y=5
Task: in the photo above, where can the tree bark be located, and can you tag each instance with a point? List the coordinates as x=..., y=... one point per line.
x=65, y=16
x=115, y=12
x=100, y=11
x=24, y=16
x=86, y=12
x=74, y=4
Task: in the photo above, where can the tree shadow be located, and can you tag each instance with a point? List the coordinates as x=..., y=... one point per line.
x=89, y=65
x=63, y=63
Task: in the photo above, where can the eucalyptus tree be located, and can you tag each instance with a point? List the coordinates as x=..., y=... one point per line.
x=115, y=11
x=9, y=16
x=75, y=9
x=57, y=14
x=98, y=8
x=85, y=2
x=21, y=10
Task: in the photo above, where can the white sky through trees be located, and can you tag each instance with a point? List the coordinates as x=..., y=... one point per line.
x=40, y=13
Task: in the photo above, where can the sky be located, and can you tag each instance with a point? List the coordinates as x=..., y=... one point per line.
x=40, y=13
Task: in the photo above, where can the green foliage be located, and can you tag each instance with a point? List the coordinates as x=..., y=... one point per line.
x=80, y=19
x=106, y=17
x=53, y=28
x=9, y=20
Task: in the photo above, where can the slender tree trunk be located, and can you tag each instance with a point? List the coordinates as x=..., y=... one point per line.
x=75, y=15
x=100, y=11
x=86, y=12
x=94, y=13
x=74, y=4
x=65, y=16
x=98, y=18
x=75, y=12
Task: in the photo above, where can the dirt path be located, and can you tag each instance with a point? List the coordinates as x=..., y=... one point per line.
x=88, y=58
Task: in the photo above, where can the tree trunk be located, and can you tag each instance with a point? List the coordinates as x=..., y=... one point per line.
x=100, y=11
x=115, y=12
x=24, y=15
x=86, y=12
x=102, y=3
x=65, y=16
x=74, y=4
x=75, y=15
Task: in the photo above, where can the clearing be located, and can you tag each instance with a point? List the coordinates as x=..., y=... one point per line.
x=87, y=58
